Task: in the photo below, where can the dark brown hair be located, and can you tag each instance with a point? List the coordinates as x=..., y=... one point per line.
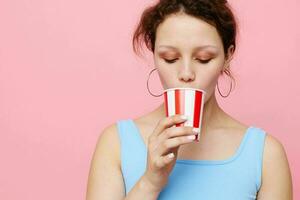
x=215, y=12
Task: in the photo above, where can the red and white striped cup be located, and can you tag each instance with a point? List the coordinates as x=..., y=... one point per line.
x=185, y=101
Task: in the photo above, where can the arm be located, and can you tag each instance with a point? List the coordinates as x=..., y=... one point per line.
x=105, y=181
x=276, y=175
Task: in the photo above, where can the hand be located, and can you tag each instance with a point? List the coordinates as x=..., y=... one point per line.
x=163, y=145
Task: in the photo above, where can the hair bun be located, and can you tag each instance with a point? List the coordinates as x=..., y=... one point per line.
x=220, y=1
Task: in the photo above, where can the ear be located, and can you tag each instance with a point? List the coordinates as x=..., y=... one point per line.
x=228, y=57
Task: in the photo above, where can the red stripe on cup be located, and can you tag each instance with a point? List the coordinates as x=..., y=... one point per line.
x=179, y=103
x=166, y=103
x=197, y=107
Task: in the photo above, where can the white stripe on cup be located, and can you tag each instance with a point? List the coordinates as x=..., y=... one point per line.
x=171, y=103
x=189, y=106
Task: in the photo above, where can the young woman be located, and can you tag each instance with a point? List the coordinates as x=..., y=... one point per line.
x=193, y=42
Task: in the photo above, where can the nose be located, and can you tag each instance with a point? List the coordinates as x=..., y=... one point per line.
x=186, y=74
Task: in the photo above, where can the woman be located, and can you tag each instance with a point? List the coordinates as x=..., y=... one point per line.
x=193, y=42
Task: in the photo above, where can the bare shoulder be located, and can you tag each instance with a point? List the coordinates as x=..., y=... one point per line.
x=273, y=147
x=276, y=175
x=109, y=139
x=105, y=179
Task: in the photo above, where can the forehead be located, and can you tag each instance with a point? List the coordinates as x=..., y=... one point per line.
x=185, y=31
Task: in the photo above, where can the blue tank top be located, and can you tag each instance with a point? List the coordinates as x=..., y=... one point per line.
x=236, y=178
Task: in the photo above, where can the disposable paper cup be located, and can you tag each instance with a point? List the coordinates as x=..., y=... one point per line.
x=186, y=101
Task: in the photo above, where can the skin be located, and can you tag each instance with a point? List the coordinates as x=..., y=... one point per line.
x=221, y=134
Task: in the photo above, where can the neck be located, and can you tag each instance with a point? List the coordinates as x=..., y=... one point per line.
x=213, y=115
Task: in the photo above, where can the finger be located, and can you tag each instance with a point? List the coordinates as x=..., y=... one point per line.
x=165, y=160
x=178, y=131
x=166, y=145
x=168, y=122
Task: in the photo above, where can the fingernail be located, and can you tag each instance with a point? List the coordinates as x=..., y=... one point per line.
x=196, y=130
x=171, y=155
x=184, y=117
x=191, y=137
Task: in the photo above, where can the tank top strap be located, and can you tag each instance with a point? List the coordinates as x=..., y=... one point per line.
x=133, y=154
x=130, y=138
x=253, y=153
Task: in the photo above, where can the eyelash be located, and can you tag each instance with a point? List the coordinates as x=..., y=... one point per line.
x=201, y=61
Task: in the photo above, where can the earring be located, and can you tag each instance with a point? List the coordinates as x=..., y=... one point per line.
x=228, y=73
x=148, y=84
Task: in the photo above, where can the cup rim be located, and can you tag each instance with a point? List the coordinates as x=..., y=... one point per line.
x=189, y=88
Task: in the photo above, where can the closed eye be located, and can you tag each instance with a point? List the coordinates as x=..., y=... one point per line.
x=170, y=61
x=203, y=61
x=173, y=60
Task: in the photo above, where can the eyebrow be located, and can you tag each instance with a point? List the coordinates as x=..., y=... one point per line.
x=195, y=49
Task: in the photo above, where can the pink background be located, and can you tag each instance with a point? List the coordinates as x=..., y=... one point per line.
x=67, y=70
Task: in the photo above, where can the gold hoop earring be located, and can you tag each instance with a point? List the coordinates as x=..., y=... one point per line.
x=226, y=72
x=148, y=84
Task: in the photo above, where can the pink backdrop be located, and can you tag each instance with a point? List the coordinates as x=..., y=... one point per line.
x=65, y=65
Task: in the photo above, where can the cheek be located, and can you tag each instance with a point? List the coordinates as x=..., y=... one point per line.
x=210, y=71
x=207, y=77
x=168, y=77
x=208, y=80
